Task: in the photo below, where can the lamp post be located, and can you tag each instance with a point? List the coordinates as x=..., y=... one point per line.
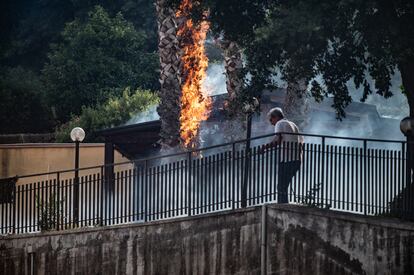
x=77, y=135
x=407, y=128
x=249, y=108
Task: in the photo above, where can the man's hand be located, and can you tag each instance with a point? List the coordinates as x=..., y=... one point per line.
x=265, y=147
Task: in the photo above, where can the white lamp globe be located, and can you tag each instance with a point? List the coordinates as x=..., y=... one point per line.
x=77, y=134
x=406, y=125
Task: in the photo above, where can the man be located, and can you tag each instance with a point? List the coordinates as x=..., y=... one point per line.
x=290, y=150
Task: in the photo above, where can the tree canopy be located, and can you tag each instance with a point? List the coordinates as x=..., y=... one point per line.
x=21, y=100
x=29, y=27
x=338, y=40
x=97, y=58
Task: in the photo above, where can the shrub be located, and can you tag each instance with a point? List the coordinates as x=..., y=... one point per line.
x=115, y=112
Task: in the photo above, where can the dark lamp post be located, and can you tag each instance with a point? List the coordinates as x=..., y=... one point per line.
x=249, y=108
x=407, y=127
x=77, y=135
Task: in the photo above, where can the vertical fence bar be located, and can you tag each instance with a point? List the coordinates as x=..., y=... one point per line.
x=348, y=176
x=189, y=159
x=26, y=208
x=102, y=205
x=405, y=176
x=18, y=208
x=343, y=177
x=361, y=179
x=233, y=175
x=205, y=182
x=335, y=177
x=387, y=196
x=58, y=206
x=15, y=191
x=377, y=183
x=213, y=183
x=89, y=185
x=365, y=183
x=29, y=213
x=322, y=180
x=182, y=182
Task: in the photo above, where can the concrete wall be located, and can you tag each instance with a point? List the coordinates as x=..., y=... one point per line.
x=26, y=159
x=298, y=240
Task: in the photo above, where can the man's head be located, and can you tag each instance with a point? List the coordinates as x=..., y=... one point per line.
x=274, y=115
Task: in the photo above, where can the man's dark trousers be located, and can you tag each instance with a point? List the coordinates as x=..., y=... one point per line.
x=287, y=170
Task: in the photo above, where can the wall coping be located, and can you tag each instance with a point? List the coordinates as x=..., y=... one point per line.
x=47, y=145
x=385, y=222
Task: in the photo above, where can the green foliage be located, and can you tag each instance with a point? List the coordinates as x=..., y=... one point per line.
x=50, y=213
x=338, y=40
x=28, y=27
x=96, y=59
x=114, y=112
x=22, y=103
x=311, y=197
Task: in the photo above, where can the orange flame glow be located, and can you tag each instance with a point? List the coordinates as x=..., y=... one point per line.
x=195, y=107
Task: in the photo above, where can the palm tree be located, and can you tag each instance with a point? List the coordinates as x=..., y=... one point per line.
x=170, y=80
x=296, y=105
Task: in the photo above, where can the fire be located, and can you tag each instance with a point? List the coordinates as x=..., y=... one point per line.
x=195, y=107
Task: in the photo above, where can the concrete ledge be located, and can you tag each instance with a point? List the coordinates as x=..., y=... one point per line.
x=385, y=222
x=286, y=239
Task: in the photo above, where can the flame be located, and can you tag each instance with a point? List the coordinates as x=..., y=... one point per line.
x=195, y=107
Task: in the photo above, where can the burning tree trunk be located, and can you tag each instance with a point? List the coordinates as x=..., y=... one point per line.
x=296, y=103
x=170, y=63
x=195, y=106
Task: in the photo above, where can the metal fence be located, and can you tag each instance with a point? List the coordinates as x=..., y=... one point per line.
x=355, y=175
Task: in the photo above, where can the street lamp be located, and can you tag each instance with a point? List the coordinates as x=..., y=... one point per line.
x=407, y=128
x=77, y=135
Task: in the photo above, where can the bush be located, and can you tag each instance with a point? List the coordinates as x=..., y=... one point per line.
x=50, y=213
x=115, y=112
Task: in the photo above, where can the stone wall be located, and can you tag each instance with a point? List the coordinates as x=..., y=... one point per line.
x=298, y=240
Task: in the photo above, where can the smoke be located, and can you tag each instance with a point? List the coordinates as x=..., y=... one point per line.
x=394, y=107
x=149, y=115
x=376, y=118
x=215, y=82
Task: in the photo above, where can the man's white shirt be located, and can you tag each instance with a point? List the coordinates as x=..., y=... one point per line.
x=288, y=154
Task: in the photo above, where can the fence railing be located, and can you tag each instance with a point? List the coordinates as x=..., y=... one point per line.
x=355, y=175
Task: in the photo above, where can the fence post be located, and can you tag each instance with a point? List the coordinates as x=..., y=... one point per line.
x=323, y=172
x=101, y=222
x=365, y=177
x=189, y=159
x=75, y=205
x=247, y=163
x=233, y=174
x=14, y=208
x=146, y=192
x=59, y=216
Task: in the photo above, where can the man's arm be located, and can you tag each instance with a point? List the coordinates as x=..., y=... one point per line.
x=277, y=140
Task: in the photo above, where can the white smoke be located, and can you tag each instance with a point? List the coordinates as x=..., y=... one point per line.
x=215, y=82
x=150, y=114
x=394, y=107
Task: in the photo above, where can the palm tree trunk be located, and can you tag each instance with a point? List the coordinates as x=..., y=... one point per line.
x=233, y=64
x=296, y=105
x=170, y=63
